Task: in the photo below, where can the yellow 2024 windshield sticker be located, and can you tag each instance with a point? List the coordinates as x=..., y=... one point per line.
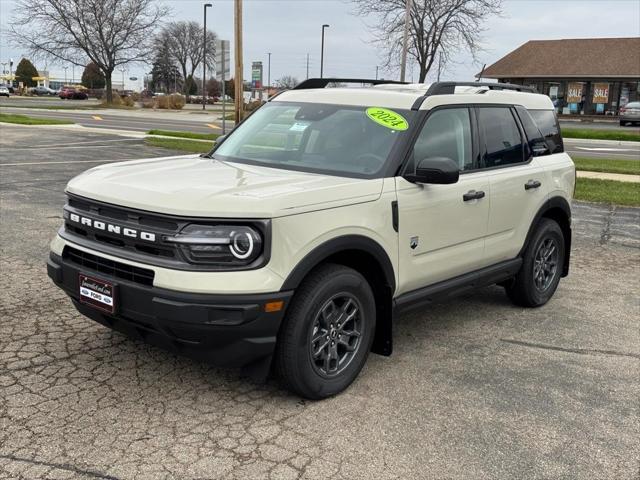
x=387, y=118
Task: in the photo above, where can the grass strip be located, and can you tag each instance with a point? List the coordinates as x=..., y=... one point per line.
x=608, y=191
x=630, y=167
x=600, y=134
x=183, y=145
x=197, y=136
x=24, y=120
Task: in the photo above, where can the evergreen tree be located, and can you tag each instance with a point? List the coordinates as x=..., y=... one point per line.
x=165, y=74
x=25, y=71
x=92, y=77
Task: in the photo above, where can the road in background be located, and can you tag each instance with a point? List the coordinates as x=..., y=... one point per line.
x=137, y=121
x=605, y=150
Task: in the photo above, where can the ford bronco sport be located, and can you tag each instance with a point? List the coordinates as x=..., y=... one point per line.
x=298, y=239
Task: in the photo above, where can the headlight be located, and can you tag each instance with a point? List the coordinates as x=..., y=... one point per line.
x=231, y=245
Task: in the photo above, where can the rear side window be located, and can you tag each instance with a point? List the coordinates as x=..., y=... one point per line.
x=537, y=144
x=501, y=136
x=548, y=125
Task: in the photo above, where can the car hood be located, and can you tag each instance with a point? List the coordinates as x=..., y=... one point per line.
x=195, y=186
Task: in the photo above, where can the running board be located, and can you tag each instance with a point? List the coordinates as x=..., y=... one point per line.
x=456, y=286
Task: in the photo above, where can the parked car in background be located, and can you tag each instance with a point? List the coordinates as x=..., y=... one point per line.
x=8, y=87
x=70, y=93
x=4, y=91
x=630, y=113
x=42, y=90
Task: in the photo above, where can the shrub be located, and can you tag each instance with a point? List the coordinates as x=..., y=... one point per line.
x=147, y=103
x=170, y=102
x=251, y=106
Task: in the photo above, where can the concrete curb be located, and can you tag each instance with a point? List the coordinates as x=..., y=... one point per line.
x=618, y=177
x=622, y=143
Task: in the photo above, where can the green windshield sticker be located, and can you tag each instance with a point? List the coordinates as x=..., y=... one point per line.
x=387, y=118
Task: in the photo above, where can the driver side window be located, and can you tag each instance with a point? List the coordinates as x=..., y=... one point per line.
x=447, y=133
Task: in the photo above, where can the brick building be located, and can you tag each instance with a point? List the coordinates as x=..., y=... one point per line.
x=594, y=76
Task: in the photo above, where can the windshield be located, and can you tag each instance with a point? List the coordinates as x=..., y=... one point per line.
x=332, y=139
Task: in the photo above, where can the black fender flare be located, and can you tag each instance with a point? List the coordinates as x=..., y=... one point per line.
x=336, y=245
x=558, y=203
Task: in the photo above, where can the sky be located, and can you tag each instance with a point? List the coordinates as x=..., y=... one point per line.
x=290, y=29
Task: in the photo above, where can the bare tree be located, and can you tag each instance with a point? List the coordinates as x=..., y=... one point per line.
x=437, y=27
x=184, y=42
x=110, y=33
x=286, y=82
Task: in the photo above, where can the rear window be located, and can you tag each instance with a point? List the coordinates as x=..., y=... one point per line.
x=548, y=124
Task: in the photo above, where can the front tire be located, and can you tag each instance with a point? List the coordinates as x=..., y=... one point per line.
x=542, y=266
x=327, y=333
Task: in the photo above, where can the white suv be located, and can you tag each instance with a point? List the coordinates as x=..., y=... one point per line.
x=301, y=236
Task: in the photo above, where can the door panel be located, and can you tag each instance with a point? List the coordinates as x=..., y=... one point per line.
x=513, y=208
x=517, y=181
x=447, y=233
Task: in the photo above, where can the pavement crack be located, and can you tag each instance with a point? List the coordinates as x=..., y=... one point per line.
x=61, y=466
x=580, y=351
x=605, y=235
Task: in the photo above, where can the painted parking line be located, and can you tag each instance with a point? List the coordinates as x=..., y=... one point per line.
x=96, y=117
x=211, y=125
x=86, y=144
x=68, y=161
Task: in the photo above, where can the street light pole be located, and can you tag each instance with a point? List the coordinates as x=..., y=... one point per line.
x=65, y=74
x=268, y=74
x=405, y=40
x=376, y=72
x=322, y=51
x=204, y=58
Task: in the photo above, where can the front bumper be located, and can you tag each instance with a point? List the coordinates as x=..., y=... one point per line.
x=226, y=330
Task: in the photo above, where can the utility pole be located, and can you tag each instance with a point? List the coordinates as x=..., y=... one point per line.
x=224, y=81
x=204, y=58
x=376, y=72
x=307, y=66
x=405, y=41
x=322, y=51
x=239, y=93
x=268, y=74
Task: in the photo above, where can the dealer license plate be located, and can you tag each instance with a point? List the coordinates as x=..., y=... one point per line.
x=97, y=293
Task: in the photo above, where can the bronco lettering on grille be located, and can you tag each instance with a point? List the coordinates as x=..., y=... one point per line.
x=111, y=228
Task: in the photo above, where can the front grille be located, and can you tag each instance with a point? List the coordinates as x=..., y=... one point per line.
x=143, y=276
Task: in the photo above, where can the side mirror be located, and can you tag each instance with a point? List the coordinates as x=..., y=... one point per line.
x=437, y=170
x=220, y=139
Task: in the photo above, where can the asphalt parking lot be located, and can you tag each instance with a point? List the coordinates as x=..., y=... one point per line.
x=476, y=387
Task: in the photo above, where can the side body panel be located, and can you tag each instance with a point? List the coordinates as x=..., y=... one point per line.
x=513, y=208
x=447, y=233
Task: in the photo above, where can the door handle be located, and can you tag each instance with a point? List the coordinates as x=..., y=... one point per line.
x=532, y=184
x=473, y=195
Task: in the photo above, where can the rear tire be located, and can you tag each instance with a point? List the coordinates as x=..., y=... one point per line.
x=542, y=266
x=327, y=332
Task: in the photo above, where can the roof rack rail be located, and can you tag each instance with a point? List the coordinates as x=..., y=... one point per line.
x=444, y=88
x=448, y=88
x=323, y=82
